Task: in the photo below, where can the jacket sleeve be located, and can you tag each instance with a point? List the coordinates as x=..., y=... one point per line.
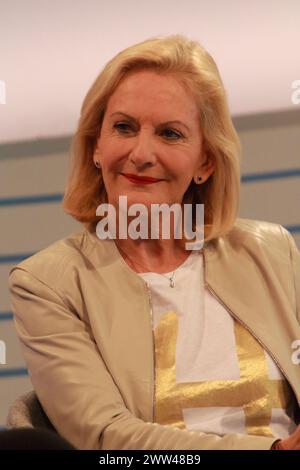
x=295, y=263
x=75, y=387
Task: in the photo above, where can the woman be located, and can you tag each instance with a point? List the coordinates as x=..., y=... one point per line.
x=118, y=359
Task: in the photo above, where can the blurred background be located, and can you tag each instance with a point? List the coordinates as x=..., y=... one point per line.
x=51, y=52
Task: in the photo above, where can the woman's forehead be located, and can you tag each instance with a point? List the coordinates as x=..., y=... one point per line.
x=145, y=94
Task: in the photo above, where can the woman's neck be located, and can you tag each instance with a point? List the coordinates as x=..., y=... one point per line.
x=152, y=255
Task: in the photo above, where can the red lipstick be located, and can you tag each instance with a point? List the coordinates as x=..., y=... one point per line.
x=140, y=179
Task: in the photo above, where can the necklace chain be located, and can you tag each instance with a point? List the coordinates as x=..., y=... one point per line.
x=170, y=279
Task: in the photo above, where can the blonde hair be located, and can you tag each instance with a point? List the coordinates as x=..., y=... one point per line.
x=194, y=67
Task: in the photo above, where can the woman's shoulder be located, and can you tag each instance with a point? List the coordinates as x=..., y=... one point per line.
x=257, y=227
x=258, y=231
x=259, y=237
x=256, y=237
x=52, y=262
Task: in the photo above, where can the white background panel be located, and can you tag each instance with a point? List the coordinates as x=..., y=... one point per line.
x=52, y=52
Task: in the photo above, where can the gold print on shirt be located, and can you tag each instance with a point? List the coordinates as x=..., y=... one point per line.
x=254, y=391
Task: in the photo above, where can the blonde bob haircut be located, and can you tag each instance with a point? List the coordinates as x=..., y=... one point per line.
x=196, y=70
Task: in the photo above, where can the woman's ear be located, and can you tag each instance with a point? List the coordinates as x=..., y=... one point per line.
x=97, y=152
x=206, y=168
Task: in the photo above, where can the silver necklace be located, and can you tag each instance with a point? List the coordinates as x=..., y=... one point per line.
x=170, y=279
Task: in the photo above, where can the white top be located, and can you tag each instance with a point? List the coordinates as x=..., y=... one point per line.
x=212, y=375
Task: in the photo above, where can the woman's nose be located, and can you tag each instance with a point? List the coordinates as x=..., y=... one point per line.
x=143, y=152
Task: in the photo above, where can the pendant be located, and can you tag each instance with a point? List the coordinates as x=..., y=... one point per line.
x=172, y=283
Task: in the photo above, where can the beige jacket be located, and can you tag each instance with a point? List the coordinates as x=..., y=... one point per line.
x=84, y=322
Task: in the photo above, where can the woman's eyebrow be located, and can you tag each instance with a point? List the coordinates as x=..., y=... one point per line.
x=162, y=124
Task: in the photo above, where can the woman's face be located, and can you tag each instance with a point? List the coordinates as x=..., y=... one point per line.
x=139, y=136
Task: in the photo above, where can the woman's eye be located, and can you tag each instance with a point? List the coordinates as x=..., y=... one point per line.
x=117, y=126
x=173, y=132
x=122, y=127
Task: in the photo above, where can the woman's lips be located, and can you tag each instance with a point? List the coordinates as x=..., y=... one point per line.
x=140, y=180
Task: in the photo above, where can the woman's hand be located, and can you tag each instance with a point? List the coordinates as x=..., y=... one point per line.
x=292, y=442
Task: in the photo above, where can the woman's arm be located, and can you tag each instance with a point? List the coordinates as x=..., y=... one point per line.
x=75, y=387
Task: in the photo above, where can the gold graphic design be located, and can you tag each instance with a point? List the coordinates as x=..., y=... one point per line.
x=254, y=391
